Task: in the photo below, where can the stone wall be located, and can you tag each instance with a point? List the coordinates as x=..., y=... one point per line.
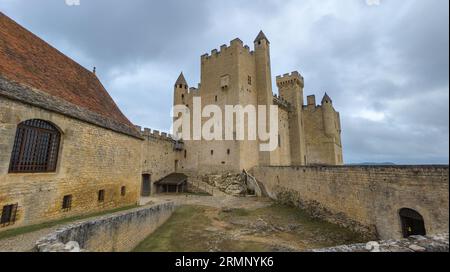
x=364, y=198
x=437, y=243
x=120, y=232
x=158, y=155
x=91, y=158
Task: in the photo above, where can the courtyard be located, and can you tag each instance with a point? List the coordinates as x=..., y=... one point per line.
x=230, y=224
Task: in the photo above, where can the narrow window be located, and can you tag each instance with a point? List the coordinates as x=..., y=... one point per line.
x=123, y=191
x=215, y=98
x=35, y=147
x=249, y=80
x=67, y=203
x=185, y=154
x=212, y=152
x=8, y=215
x=228, y=151
x=101, y=196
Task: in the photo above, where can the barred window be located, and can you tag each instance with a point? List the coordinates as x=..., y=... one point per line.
x=67, y=203
x=8, y=216
x=35, y=148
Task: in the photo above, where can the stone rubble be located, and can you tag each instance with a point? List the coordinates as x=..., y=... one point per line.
x=436, y=243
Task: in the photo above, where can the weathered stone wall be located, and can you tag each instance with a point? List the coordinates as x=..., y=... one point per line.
x=158, y=155
x=115, y=233
x=322, y=148
x=91, y=158
x=437, y=243
x=364, y=198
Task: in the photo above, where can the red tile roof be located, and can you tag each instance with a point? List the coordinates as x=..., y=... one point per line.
x=29, y=61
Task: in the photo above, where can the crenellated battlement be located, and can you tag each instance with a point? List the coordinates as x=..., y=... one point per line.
x=148, y=133
x=236, y=43
x=280, y=101
x=290, y=79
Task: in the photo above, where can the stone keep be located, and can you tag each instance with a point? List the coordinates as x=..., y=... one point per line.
x=308, y=134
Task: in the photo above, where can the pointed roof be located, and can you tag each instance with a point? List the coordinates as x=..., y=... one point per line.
x=181, y=80
x=326, y=98
x=31, y=69
x=261, y=36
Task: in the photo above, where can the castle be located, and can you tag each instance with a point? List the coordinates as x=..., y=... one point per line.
x=66, y=149
x=308, y=134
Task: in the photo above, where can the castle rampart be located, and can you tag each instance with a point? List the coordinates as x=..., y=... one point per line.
x=365, y=198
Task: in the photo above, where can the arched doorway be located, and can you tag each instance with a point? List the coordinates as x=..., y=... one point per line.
x=412, y=223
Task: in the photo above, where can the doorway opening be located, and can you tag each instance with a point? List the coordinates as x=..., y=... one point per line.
x=412, y=223
x=146, y=189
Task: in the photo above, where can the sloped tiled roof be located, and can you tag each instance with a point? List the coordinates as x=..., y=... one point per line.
x=34, y=72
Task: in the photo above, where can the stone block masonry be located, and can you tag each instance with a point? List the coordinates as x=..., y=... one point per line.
x=437, y=243
x=114, y=233
x=90, y=159
x=364, y=198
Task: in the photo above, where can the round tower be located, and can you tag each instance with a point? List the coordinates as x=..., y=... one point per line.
x=329, y=117
x=180, y=91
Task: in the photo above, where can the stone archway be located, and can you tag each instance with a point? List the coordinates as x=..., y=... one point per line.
x=412, y=223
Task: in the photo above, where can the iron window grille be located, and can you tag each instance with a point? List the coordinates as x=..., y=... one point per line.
x=8, y=216
x=67, y=203
x=35, y=147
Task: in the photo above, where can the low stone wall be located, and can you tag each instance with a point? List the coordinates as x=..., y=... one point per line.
x=364, y=198
x=437, y=243
x=119, y=232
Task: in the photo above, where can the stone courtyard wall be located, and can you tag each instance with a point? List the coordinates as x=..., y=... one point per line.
x=120, y=232
x=364, y=198
x=158, y=155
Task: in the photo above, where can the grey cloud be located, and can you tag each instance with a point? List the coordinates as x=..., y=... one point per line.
x=392, y=59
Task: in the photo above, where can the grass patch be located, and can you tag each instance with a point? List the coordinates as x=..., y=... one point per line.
x=183, y=232
x=23, y=230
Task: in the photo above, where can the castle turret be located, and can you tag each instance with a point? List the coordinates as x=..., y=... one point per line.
x=263, y=82
x=329, y=117
x=181, y=90
x=290, y=87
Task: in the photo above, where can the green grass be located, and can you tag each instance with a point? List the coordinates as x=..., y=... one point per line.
x=23, y=230
x=183, y=232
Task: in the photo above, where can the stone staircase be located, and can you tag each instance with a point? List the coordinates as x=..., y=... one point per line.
x=196, y=185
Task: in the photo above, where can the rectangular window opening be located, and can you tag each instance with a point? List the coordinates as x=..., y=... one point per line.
x=101, y=196
x=8, y=215
x=67, y=203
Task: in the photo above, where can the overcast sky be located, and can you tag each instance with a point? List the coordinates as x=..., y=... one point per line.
x=384, y=63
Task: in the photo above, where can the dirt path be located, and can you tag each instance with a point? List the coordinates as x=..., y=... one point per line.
x=23, y=242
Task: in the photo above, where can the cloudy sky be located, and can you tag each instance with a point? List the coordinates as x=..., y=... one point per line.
x=385, y=63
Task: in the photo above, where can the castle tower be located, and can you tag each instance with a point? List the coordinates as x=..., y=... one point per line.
x=329, y=117
x=291, y=89
x=263, y=82
x=180, y=91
